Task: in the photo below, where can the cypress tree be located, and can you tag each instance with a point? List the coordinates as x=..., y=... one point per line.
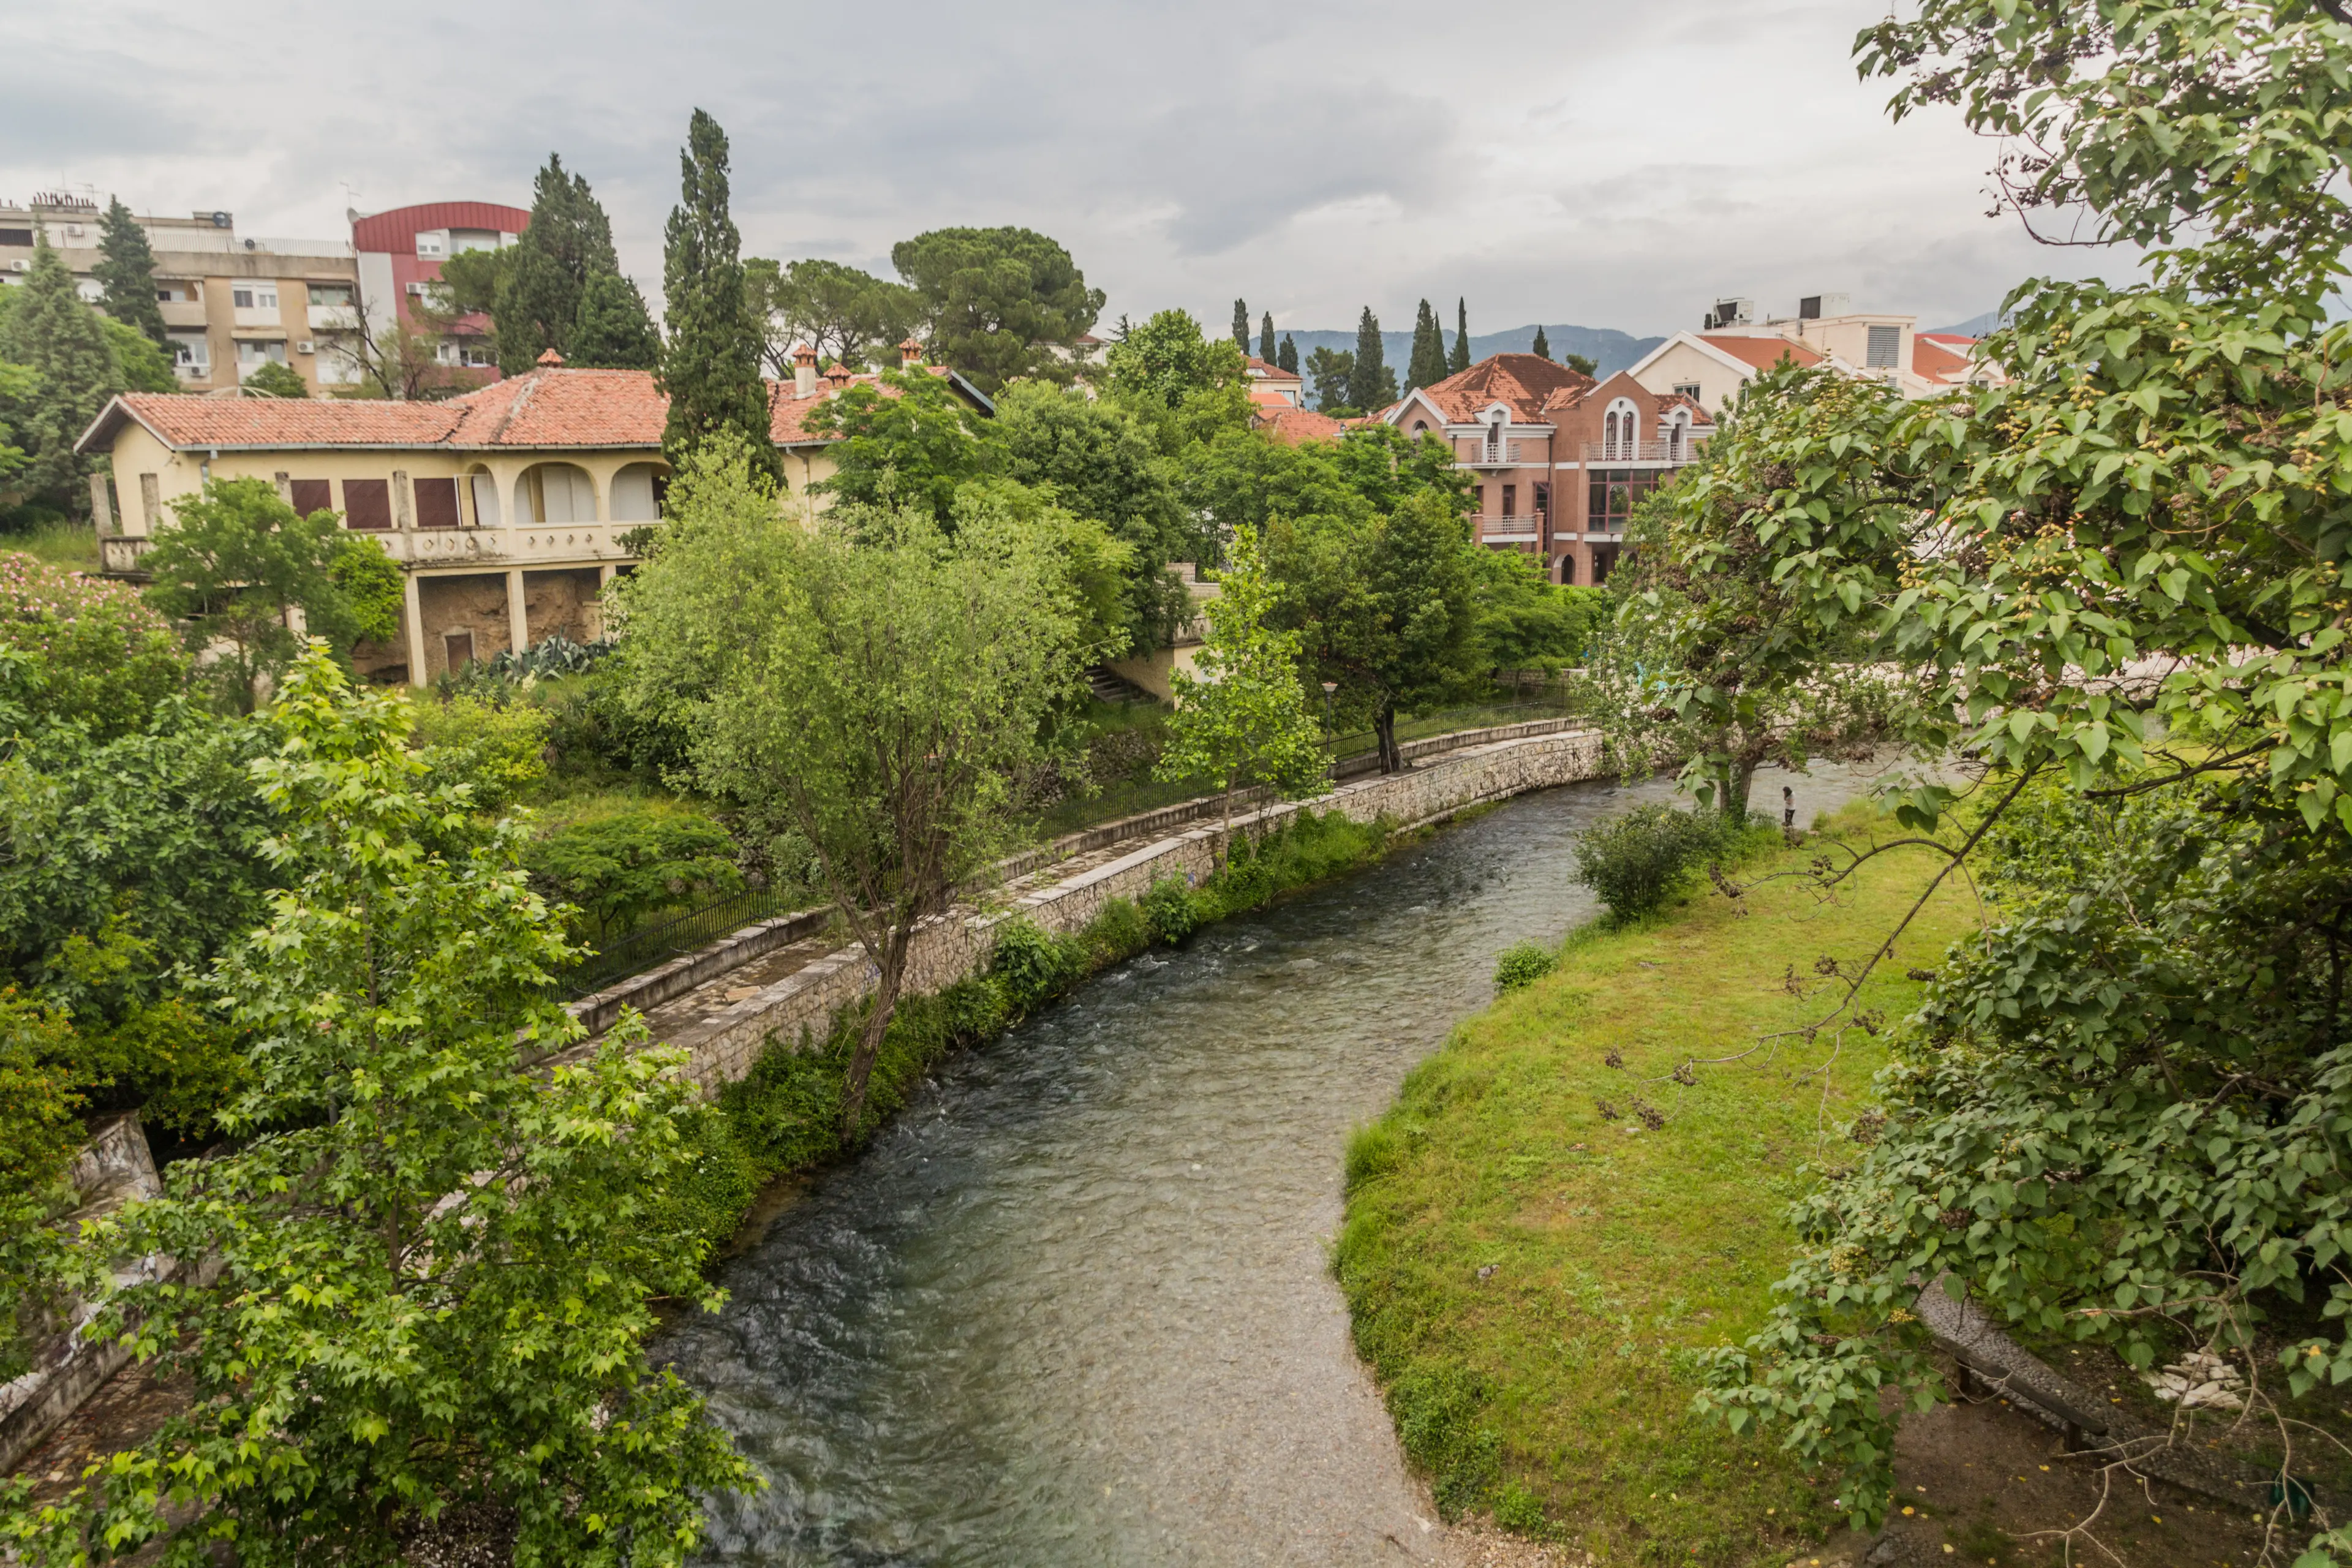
x=570, y=240
x=1461, y=360
x=1265, y=338
x=614, y=332
x=1241, y=325
x=61, y=339
x=126, y=269
x=710, y=367
x=1371, y=386
x=1288, y=358
x=1427, y=365
x=1543, y=344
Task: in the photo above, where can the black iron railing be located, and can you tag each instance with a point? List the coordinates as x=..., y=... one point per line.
x=650, y=945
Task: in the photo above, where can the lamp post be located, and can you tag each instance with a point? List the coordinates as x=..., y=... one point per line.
x=1328, y=688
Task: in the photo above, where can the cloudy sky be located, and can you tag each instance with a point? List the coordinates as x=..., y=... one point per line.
x=1596, y=161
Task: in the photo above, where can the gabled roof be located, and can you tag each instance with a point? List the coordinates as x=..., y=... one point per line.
x=1942, y=357
x=1265, y=370
x=1291, y=426
x=1525, y=384
x=554, y=407
x=1733, y=351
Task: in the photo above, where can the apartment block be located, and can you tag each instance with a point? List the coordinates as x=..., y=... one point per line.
x=400, y=253
x=1732, y=347
x=231, y=303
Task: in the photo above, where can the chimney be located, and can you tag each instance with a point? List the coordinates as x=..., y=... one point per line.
x=551, y=360
x=910, y=354
x=838, y=377
x=805, y=372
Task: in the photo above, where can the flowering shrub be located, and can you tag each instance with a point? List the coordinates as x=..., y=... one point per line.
x=91, y=649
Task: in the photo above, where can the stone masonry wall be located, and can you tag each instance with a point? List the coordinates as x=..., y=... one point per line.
x=723, y=1046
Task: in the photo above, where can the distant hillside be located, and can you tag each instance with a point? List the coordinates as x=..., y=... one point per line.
x=1612, y=350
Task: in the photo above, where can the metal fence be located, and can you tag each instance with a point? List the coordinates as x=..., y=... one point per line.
x=654, y=944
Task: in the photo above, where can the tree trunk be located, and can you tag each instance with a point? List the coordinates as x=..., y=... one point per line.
x=892, y=964
x=1735, y=792
x=1384, y=727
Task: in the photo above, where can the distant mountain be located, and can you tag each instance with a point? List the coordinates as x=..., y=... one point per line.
x=1612, y=350
x=1974, y=327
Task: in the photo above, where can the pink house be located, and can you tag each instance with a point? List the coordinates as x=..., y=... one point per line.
x=400, y=255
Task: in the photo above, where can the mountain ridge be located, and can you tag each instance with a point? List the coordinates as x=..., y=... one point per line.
x=1611, y=350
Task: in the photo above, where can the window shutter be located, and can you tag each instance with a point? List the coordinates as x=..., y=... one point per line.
x=307, y=496
x=437, y=504
x=367, y=503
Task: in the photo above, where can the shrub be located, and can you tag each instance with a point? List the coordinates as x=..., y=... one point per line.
x=633, y=860
x=1171, y=910
x=1312, y=846
x=1030, y=965
x=91, y=650
x=1638, y=861
x=498, y=749
x=1523, y=963
x=1118, y=932
x=707, y=1193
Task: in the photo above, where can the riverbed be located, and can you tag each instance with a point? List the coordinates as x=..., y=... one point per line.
x=1073, y=1305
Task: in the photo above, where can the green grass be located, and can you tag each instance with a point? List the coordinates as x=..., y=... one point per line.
x=1554, y=1392
x=72, y=546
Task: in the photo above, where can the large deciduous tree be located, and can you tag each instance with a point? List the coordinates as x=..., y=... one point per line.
x=999, y=302
x=1329, y=370
x=710, y=365
x=875, y=684
x=126, y=273
x=429, y=1262
x=846, y=314
x=907, y=439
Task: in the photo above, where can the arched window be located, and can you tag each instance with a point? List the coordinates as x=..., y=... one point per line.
x=636, y=492
x=1421, y=427
x=558, y=492
x=1622, y=433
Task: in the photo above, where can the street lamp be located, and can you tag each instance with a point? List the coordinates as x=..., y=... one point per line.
x=1328, y=688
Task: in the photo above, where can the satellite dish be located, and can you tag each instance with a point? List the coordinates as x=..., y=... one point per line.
x=220, y=220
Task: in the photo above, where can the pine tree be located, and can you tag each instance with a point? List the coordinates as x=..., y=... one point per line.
x=1543, y=344
x=1265, y=338
x=569, y=241
x=1371, y=386
x=1427, y=365
x=614, y=332
x=51, y=332
x=126, y=271
x=710, y=366
x=1460, y=360
x=1241, y=325
x=1288, y=358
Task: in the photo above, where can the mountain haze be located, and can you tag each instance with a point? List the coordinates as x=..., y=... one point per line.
x=1612, y=350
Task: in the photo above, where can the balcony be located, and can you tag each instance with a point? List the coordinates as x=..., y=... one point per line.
x=1640, y=452
x=334, y=319
x=531, y=545
x=1509, y=530
x=181, y=313
x=118, y=555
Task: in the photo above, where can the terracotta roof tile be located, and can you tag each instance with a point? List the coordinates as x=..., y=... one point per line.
x=1763, y=353
x=1941, y=358
x=1291, y=426
x=1527, y=383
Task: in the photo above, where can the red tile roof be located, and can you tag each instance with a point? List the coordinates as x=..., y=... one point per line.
x=547, y=408
x=1291, y=426
x=1941, y=356
x=1763, y=353
x=1527, y=383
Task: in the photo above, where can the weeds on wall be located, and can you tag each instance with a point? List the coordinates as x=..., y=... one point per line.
x=784, y=1114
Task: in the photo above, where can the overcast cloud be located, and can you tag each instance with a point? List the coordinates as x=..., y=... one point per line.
x=1603, y=164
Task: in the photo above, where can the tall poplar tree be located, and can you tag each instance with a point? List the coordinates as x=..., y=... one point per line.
x=1288, y=358
x=1371, y=384
x=1241, y=325
x=1543, y=344
x=1460, y=360
x=50, y=332
x=710, y=367
x=1427, y=365
x=1265, y=338
x=126, y=272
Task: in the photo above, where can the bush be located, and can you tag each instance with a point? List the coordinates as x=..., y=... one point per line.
x=638, y=857
x=1639, y=861
x=498, y=748
x=1032, y=966
x=707, y=1195
x=1523, y=963
x=1117, y=934
x=1171, y=910
x=89, y=650
x=1310, y=847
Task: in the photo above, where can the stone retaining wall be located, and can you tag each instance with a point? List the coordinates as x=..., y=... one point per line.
x=723, y=1045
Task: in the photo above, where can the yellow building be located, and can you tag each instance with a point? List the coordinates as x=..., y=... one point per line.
x=509, y=508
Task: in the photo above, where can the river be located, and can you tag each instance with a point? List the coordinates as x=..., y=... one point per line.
x=1073, y=1305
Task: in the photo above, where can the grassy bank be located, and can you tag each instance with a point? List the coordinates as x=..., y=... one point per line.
x=784, y=1114
x=1529, y=1278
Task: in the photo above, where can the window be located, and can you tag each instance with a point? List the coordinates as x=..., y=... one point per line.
x=476, y=355
x=1421, y=427
x=367, y=503
x=191, y=352
x=1494, y=440
x=1886, y=348
x=1609, y=503
x=22, y=236
x=432, y=245
x=331, y=293
x=253, y=353
x=1568, y=570
x=1479, y=493
x=1510, y=501
x=437, y=504
x=254, y=295
x=91, y=290
x=307, y=496
x=1687, y=389
x=1543, y=499
x=175, y=293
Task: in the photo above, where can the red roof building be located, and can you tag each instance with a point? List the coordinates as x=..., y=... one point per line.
x=400, y=255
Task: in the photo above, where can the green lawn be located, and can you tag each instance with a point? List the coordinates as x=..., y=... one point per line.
x=1556, y=1392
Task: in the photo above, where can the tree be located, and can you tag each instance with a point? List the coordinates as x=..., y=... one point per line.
x=1459, y=361
x=878, y=685
x=430, y=1261
x=139, y=365
x=710, y=366
x=1426, y=367
x=1168, y=359
x=273, y=379
x=51, y=332
x=244, y=573
x=1542, y=348
x=1371, y=383
x=126, y=273
x=1386, y=608
x=1241, y=715
x=1525, y=621
x=1001, y=302
x=1583, y=364
x=1265, y=349
x=613, y=331
x=1331, y=371
x=907, y=439
x=847, y=315
x=1288, y=359
x=471, y=280
x=544, y=275
x=1241, y=326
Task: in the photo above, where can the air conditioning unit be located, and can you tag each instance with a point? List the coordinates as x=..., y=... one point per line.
x=20, y=265
x=304, y=347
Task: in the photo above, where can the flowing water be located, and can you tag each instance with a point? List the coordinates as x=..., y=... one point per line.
x=1073, y=1305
